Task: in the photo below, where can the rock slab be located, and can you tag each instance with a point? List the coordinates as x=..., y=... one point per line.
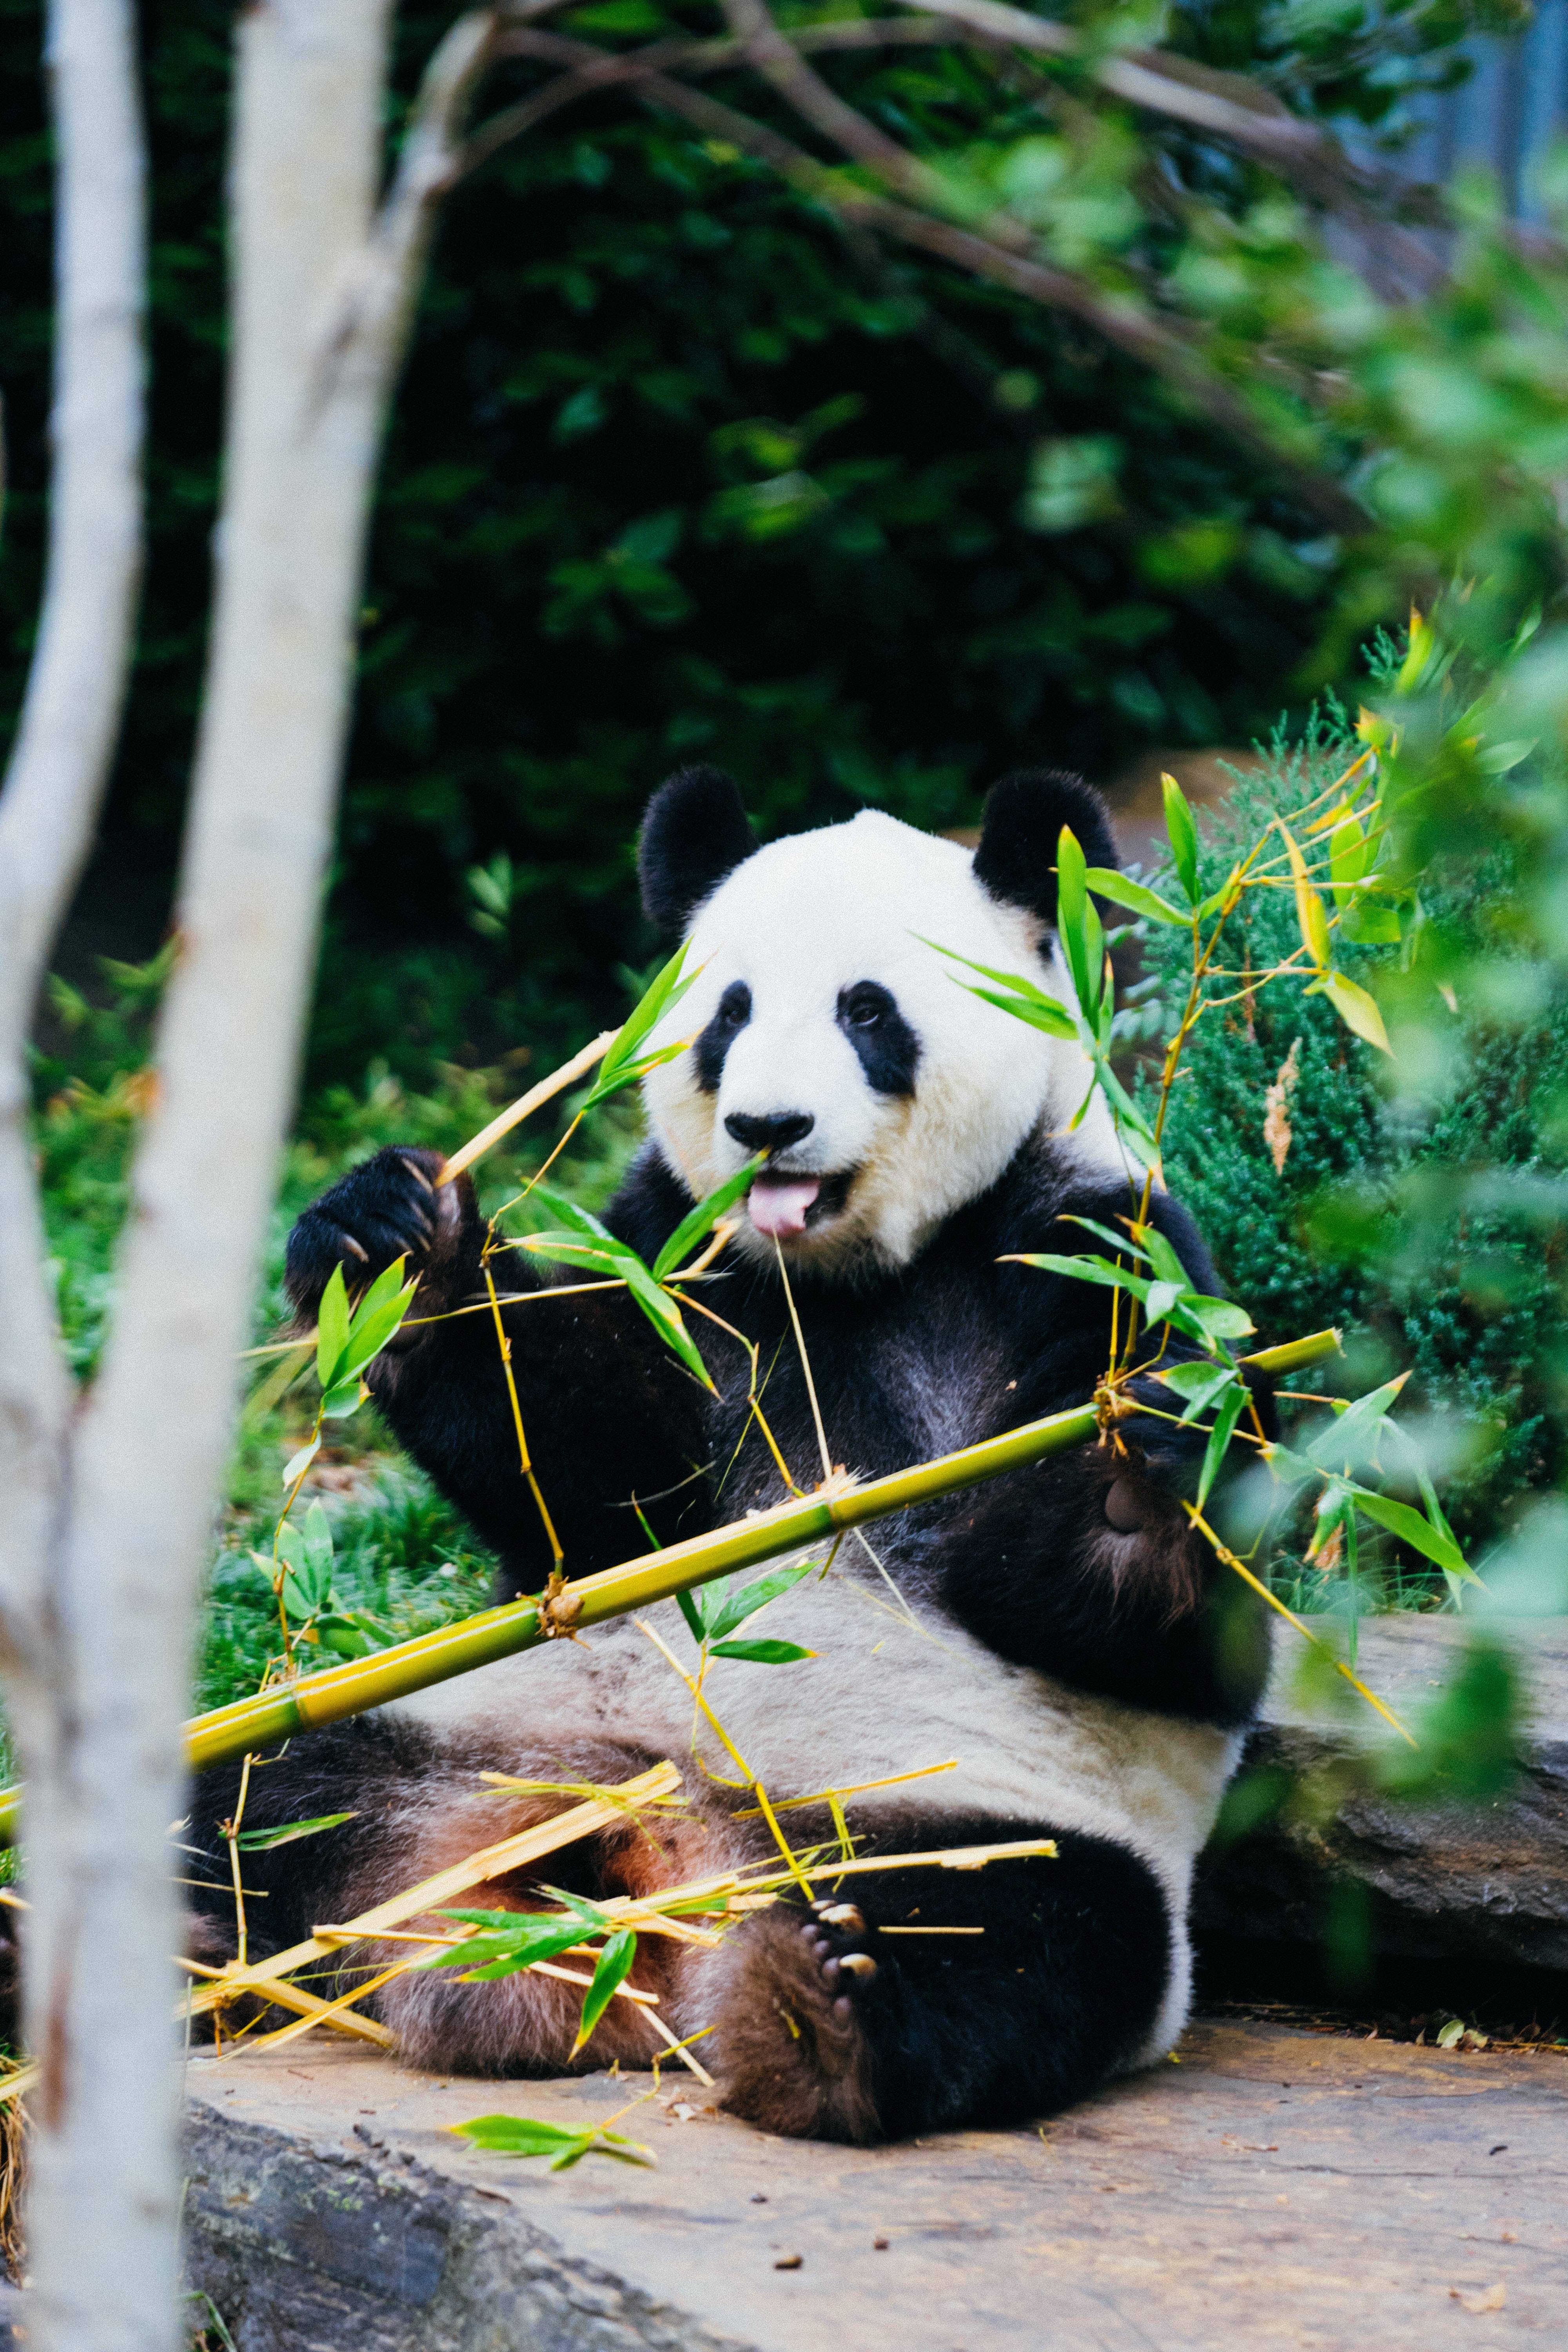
x=1273, y=2188
x=1487, y=1882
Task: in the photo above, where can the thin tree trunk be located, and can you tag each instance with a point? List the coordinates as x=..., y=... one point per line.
x=119, y=1490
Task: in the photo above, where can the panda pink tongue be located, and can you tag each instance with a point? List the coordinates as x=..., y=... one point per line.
x=780, y=1208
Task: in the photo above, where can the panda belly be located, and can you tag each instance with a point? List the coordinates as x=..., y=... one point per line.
x=889, y=1693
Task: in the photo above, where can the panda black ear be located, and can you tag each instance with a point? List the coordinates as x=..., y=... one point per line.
x=695, y=832
x=1024, y=814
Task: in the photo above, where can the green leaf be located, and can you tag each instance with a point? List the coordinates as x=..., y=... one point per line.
x=610, y=1970
x=1078, y=925
x=514, y=1940
x=331, y=1329
x=1159, y=1297
x=1199, y=1383
x=1163, y=1256
x=1357, y=1010
x=1220, y=1319
x=1086, y=1269
x=619, y=1067
x=690, y=1608
x=700, y=1220
x=1349, y=857
x=386, y=1287
x=1184, y=837
x=1225, y=1421
x=346, y=1398
x=1022, y=997
x=1122, y=1242
x=369, y=1332
x=263, y=1840
x=522, y=2136
x=316, y=1547
x=1351, y=1438
x=1402, y=1519
x=1368, y=926
x=735, y=1607
x=297, y=1463
x=1123, y=891
x=762, y=1654
x=666, y=1317
x=1039, y=1012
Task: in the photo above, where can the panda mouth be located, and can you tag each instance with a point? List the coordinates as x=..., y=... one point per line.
x=784, y=1206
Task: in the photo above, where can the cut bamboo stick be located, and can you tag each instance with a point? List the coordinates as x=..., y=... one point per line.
x=515, y=1113
x=286, y=1710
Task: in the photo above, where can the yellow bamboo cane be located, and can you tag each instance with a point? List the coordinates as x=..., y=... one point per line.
x=287, y=1709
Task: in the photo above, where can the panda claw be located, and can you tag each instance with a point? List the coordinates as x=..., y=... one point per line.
x=846, y=1916
x=858, y=1964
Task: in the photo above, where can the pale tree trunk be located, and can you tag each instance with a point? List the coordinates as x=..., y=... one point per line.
x=324, y=288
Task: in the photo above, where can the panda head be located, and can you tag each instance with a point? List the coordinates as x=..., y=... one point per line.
x=829, y=1035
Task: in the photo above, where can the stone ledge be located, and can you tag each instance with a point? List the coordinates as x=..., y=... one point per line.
x=1477, y=1881
x=1276, y=2187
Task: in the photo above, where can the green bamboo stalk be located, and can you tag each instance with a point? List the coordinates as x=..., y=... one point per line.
x=288, y=1709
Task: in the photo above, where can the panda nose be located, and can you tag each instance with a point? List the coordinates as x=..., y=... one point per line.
x=775, y=1132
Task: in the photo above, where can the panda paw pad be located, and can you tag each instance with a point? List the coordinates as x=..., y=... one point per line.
x=836, y=1935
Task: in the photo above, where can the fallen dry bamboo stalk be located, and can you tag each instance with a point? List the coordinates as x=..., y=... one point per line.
x=286, y=1710
x=511, y=1853
x=515, y=1113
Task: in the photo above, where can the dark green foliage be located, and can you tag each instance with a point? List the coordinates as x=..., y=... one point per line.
x=1422, y=1213
x=674, y=473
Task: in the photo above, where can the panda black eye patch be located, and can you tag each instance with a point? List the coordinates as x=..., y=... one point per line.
x=888, y=1048
x=734, y=1011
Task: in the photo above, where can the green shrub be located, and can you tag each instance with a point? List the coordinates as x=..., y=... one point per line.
x=1419, y=1210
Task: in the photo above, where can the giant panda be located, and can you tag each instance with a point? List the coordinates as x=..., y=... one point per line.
x=1058, y=1638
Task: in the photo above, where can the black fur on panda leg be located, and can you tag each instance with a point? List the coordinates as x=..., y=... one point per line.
x=829, y=2027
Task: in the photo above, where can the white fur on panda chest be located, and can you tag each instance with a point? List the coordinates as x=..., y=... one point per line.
x=880, y=1698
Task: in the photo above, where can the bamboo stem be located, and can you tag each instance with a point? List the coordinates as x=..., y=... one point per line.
x=515, y=1113
x=288, y=1709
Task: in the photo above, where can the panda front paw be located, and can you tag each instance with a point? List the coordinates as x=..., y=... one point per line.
x=388, y=1208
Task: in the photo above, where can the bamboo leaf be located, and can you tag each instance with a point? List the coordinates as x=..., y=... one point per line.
x=297, y=1463
x=1349, y=857
x=691, y=1609
x=700, y=1220
x=523, y=2135
x=1072, y=920
x=619, y=1067
x=263, y=1840
x=1123, y=891
x=1404, y=1520
x=1041, y=1011
x=1132, y=1248
x=385, y=1287
x=1351, y=1438
x=735, y=1607
x=331, y=1329
x=1225, y=1421
x=1198, y=1383
x=610, y=1970
x=1184, y=837
x=346, y=1398
x=369, y=1333
x=762, y=1654
x=1160, y=1299
x=666, y=1317
x=1357, y=1010
x=1162, y=1256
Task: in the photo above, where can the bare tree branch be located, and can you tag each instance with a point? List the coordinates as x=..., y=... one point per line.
x=1128, y=327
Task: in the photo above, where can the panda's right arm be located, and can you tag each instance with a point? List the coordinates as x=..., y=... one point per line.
x=607, y=1413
